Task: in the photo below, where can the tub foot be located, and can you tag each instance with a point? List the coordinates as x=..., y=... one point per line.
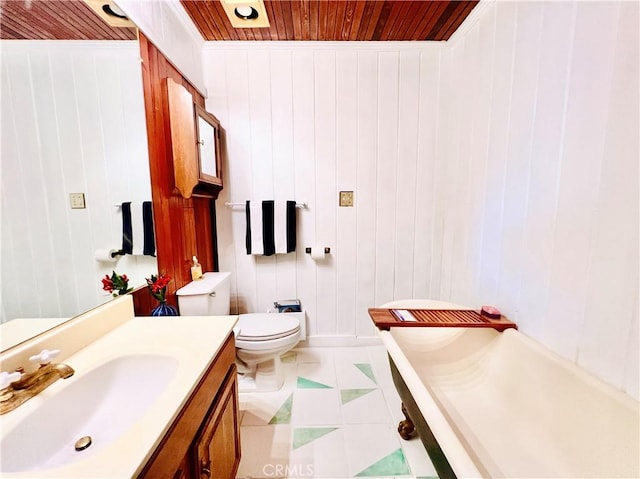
x=406, y=427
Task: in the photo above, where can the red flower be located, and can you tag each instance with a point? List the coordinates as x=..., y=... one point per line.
x=107, y=284
x=158, y=285
x=116, y=284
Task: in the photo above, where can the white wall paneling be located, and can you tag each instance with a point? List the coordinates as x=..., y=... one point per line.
x=330, y=118
x=558, y=243
x=499, y=168
x=72, y=122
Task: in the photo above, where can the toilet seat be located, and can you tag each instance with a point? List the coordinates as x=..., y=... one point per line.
x=263, y=332
x=265, y=327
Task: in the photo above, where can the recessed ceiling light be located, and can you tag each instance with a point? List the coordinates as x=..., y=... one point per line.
x=113, y=10
x=246, y=12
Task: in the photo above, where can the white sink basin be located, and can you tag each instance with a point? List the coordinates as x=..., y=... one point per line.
x=103, y=404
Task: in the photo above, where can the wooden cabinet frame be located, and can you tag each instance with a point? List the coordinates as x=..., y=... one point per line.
x=191, y=144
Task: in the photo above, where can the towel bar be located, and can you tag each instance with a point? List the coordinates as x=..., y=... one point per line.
x=231, y=204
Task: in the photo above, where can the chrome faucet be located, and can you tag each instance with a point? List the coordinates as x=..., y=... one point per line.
x=18, y=387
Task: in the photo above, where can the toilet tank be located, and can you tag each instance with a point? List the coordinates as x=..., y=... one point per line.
x=208, y=296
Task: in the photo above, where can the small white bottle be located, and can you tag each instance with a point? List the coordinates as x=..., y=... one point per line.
x=196, y=270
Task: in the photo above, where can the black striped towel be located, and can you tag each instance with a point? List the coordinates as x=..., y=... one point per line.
x=271, y=227
x=138, y=236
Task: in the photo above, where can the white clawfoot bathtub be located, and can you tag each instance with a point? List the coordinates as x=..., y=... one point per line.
x=502, y=405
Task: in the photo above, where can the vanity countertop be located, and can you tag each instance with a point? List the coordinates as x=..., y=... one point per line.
x=193, y=341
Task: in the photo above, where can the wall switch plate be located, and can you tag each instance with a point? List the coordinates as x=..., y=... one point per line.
x=346, y=198
x=77, y=201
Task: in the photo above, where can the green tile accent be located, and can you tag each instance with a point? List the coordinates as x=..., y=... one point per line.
x=283, y=415
x=348, y=395
x=392, y=465
x=305, y=435
x=289, y=357
x=304, y=383
x=367, y=371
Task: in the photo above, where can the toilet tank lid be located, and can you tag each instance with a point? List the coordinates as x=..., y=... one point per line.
x=207, y=284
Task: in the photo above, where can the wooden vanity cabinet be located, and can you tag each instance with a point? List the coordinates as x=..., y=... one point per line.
x=204, y=439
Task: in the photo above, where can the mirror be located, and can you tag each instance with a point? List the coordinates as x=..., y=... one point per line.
x=208, y=134
x=74, y=148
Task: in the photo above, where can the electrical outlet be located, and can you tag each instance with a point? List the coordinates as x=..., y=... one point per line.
x=77, y=201
x=346, y=198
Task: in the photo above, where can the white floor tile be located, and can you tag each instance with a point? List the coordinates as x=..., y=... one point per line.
x=322, y=373
x=259, y=408
x=349, y=375
x=370, y=408
x=314, y=355
x=323, y=458
x=263, y=448
x=368, y=444
x=312, y=407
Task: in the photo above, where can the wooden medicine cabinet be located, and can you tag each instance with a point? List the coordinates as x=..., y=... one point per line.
x=195, y=144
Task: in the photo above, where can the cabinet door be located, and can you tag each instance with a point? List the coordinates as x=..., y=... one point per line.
x=218, y=446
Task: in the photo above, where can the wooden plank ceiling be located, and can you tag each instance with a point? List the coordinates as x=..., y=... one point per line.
x=56, y=20
x=337, y=20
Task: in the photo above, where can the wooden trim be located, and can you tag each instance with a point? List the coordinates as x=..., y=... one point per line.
x=182, y=229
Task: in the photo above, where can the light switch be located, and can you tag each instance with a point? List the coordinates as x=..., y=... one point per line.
x=77, y=201
x=346, y=198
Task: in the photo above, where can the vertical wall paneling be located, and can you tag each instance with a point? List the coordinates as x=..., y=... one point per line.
x=555, y=53
x=72, y=122
x=479, y=153
x=387, y=171
x=262, y=164
x=346, y=172
x=283, y=162
x=407, y=188
x=581, y=158
x=366, y=204
x=240, y=174
x=558, y=246
x=425, y=173
x=614, y=238
x=504, y=40
x=325, y=196
x=522, y=109
x=303, y=87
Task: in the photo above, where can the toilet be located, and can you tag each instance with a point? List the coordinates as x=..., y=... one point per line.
x=261, y=338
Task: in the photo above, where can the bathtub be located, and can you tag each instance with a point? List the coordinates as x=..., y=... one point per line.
x=489, y=404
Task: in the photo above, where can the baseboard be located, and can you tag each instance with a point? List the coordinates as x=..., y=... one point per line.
x=319, y=341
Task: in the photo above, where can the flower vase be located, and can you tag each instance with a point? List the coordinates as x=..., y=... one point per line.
x=164, y=309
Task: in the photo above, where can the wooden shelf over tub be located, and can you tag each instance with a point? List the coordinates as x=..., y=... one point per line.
x=384, y=319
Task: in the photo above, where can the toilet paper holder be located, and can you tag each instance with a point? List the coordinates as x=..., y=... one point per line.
x=327, y=250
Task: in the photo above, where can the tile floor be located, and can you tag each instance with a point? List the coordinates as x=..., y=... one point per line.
x=334, y=418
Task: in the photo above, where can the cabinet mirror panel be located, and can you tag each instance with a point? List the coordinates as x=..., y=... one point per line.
x=208, y=137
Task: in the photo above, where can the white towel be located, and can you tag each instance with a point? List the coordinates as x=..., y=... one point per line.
x=137, y=226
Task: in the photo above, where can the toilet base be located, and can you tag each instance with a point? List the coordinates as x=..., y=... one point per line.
x=263, y=377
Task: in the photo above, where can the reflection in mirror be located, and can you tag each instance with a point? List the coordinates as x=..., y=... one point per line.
x=208, y=134
x=72, y=122
x=207, y=147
